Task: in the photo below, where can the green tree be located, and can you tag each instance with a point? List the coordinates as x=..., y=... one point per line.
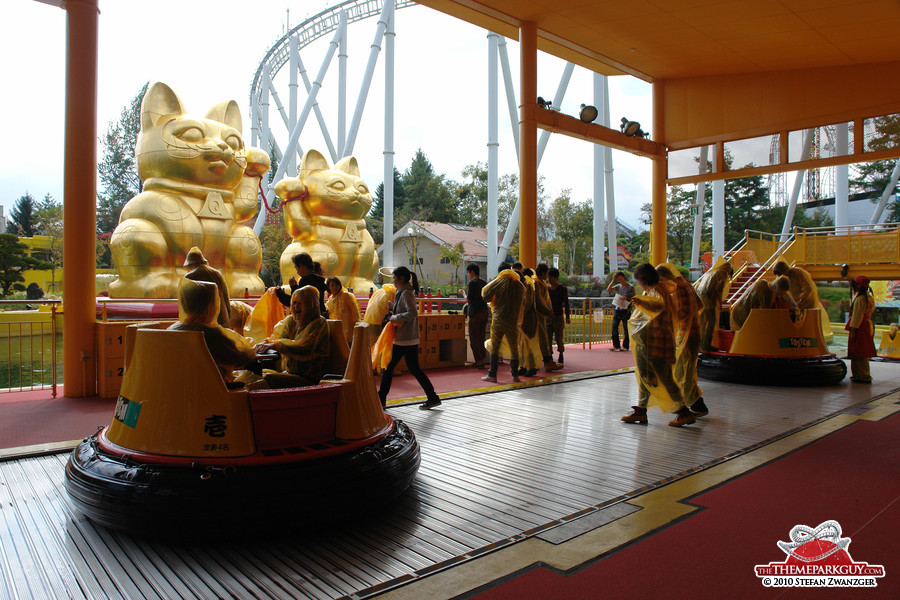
x=273, y=239
x=572, y=227
x=872, y=177
x=375, y=218
x=22, y=215
x=454, y=255
x=48, y=221
x=426, y=195
x=117, y=169
x=14, y=261
x=679, y=223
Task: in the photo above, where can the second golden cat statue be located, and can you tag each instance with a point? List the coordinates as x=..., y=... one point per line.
x=324, y=213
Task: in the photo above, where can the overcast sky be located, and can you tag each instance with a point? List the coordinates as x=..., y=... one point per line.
x=209, y=51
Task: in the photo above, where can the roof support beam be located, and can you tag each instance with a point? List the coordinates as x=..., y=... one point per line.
x=557, y=122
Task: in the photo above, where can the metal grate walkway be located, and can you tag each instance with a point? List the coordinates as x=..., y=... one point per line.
x=495, y=469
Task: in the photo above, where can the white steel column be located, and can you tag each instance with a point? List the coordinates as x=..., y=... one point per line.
x=387, y=227
x=342, y=94
x=700, y=203
x=510, y=93
x=612, y=229
x=718, y=210
x=254, y=123
x=798, y=181
x=367, y=77
x=557, y=101
x=513, y=224
x=888, y=190
x=493, y=258
x=294, y=139
x=599, y=176
x=291, y=159
x=842, y=176
x=265, y=135
x=323, y=126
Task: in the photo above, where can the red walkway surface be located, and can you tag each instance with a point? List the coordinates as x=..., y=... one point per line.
x=711, y=554
x=34, y=417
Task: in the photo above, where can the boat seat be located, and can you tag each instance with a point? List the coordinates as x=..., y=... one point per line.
x=293, y=417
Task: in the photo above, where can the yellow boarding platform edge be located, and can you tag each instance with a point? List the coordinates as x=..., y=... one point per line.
x=770, y=332
x=889, y=347
x=174, y=401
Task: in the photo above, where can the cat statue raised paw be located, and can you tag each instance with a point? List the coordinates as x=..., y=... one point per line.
x=199, y=189
x=324, y=210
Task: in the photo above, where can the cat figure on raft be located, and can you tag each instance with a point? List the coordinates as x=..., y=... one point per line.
x=199, y=186
x=324, y=213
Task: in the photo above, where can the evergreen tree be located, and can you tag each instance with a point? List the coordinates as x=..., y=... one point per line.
x=872, y=177
x=22, y=215
x=13, y=261
x=427, y=196
x=119, y=180
x=375, y=218
x=48, y=220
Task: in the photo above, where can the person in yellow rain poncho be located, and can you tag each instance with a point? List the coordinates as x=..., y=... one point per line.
x=804, y=292
x=653, y=345
x=712, y=289
x=198, y=303
x=686, y=322
x=545, y=316
x=302, y=340
x=505, y=294
x=342, y=307
x=378, y=307
x=239, y=316
x=532, y=323
x=199, y=270
x=759, y=295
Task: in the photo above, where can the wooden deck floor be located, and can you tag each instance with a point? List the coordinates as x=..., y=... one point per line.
x=496, y=469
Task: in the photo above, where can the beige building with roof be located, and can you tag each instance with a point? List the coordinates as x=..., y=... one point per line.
x=419, y=243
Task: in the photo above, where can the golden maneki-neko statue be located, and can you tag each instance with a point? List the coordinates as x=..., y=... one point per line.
x=324, y=213
x=200, y=185
x=200, y=189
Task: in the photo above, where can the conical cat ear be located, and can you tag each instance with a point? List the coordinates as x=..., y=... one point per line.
x=159, y=101
x=349, y=165
x=226, y=112
x=312, y=161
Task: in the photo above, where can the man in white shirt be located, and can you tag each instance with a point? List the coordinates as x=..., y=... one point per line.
x=622, y=305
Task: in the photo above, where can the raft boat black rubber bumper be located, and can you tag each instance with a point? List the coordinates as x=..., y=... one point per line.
x=223, y=500
x=777, y=371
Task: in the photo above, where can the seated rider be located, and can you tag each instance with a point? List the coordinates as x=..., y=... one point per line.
x=781, y=296
x=199, y=303
x=302, y=340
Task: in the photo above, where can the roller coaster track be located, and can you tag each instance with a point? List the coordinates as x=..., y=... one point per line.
x=311, y=30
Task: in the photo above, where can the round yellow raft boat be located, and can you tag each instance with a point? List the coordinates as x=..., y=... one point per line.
x=185, y=454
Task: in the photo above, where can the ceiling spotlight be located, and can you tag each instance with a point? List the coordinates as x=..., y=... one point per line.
x=632, y=128
x=544, y=103
x=588, y=113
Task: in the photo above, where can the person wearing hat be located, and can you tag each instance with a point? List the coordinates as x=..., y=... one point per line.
x=199, y=270
x=860, y=343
